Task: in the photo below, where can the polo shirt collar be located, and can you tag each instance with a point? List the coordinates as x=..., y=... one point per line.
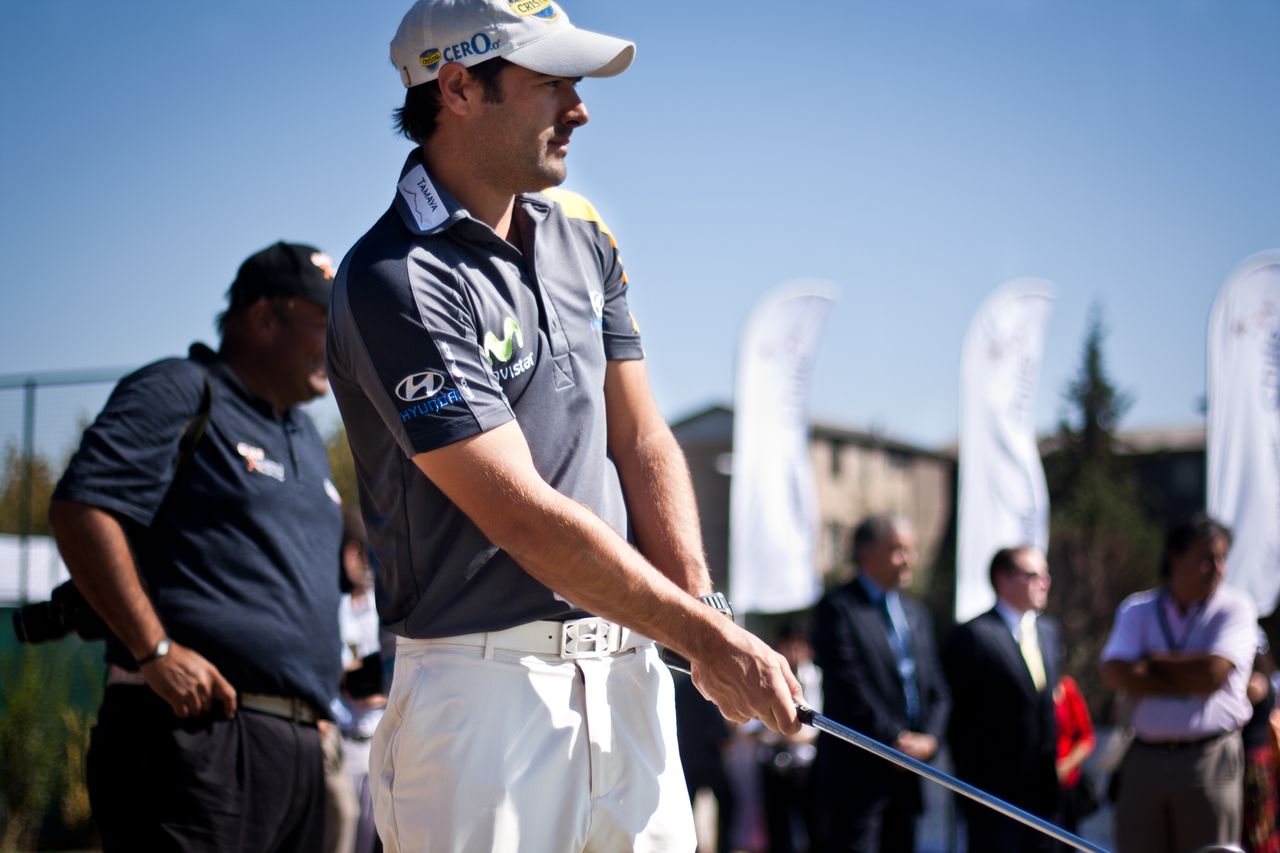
x=1171, y=607
x=427, y=208
x=536, y=205
x=217, y=365
x=424, y=207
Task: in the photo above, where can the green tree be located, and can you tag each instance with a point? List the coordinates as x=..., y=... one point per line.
x=43, y=739
x=24, y=492
x=343, y=468
x=1102, y=544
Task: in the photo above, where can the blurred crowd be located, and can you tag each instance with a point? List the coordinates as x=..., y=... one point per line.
x=1189, y=761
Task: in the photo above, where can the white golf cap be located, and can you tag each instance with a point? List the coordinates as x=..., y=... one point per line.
x=534, y=34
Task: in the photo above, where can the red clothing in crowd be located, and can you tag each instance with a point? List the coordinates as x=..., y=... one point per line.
x=1074, y=725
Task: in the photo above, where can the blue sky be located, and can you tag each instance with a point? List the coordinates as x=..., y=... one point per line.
x=917, y=154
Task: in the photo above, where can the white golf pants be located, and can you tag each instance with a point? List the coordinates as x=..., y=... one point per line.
x=529, y=753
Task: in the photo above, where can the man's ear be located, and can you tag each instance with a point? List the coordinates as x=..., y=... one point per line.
x=459, y=91
x=260, y=321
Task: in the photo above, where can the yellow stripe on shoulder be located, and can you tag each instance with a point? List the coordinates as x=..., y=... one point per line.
x=577, y=207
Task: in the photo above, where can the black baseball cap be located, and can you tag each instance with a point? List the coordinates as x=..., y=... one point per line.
x=280, y=271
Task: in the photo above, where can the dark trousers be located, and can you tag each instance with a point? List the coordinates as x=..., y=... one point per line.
x=788, y=808
x=158, y=783
x=988, y=830
x=710, y=774
x=875, y=820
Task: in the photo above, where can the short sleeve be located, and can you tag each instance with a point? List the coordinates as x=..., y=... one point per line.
x=1235, y=633
x=405, y=333
x=1125, y=641
x=619, y=329
x=127, y=457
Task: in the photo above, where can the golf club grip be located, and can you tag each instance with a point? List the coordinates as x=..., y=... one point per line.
x=675, y=660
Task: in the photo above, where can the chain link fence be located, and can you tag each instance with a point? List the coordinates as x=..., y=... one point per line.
x=41, y=418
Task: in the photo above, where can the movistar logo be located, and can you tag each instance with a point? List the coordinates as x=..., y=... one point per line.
x=502, y=348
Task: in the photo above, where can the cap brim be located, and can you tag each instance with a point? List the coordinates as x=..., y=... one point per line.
x=573, y=52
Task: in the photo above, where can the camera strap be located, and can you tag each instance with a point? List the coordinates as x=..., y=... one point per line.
x=194, y=430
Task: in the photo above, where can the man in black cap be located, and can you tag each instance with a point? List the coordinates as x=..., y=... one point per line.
x=198, y=518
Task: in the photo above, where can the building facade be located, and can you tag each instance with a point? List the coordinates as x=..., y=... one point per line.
x=855, y=473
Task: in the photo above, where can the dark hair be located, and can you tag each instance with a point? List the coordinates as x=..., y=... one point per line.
x=1005, y=562
x=353, y=529
x=353, y=533
x=873, y=530
x=279, y=306
x=1181, y=535
x=416, y=120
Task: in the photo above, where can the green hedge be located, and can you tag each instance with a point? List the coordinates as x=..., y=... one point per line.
x=49, y=695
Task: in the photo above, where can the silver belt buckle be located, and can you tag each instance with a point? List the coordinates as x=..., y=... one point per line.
x=591, y=637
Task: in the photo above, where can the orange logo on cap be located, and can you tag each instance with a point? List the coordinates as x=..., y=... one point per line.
x=324, y=262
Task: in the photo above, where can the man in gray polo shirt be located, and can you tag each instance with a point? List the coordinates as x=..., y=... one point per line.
x=524, y=497
x=1182, y=653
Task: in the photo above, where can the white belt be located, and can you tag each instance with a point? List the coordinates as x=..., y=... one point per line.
x=590, y=637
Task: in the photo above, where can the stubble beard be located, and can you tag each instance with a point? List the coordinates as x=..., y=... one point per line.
x=515, y=166
x=543, y=169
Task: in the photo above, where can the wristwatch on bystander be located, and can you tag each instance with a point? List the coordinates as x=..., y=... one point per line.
x=161, y=649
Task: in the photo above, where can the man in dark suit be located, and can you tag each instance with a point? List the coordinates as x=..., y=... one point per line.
x=880, y=675
x=1001, y=667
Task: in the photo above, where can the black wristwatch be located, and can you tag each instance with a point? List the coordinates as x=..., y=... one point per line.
x=161, y=649
x=717, y=601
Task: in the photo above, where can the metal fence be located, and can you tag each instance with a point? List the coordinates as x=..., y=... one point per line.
x=41, y=418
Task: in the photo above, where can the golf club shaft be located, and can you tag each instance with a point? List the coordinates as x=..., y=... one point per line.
x=844, y=733
x=810, y=717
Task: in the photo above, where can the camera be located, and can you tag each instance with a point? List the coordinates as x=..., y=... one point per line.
x=64, y=612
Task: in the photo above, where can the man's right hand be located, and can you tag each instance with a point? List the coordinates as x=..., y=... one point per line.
x=748, y=680
x=918, y=745
x=189, y=683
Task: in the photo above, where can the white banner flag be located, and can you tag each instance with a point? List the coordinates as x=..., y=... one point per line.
x=29, y=576
x=1003, y=498
x=773, y=515
x=1243, y=435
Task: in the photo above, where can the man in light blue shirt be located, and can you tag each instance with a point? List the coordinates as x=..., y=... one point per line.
x=1183, y=652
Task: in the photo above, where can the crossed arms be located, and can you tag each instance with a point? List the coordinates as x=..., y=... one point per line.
x=1168, y=674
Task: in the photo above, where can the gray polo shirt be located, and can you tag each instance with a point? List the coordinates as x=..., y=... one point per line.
x=439, y=330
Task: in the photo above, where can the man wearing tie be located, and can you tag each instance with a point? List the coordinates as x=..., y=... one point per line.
x=1001, y=667
x=880, y=673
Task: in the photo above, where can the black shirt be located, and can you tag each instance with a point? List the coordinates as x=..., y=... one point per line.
x=239, y=551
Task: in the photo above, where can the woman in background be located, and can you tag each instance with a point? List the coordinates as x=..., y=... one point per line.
x=1260, y=791
x=1075, y=743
